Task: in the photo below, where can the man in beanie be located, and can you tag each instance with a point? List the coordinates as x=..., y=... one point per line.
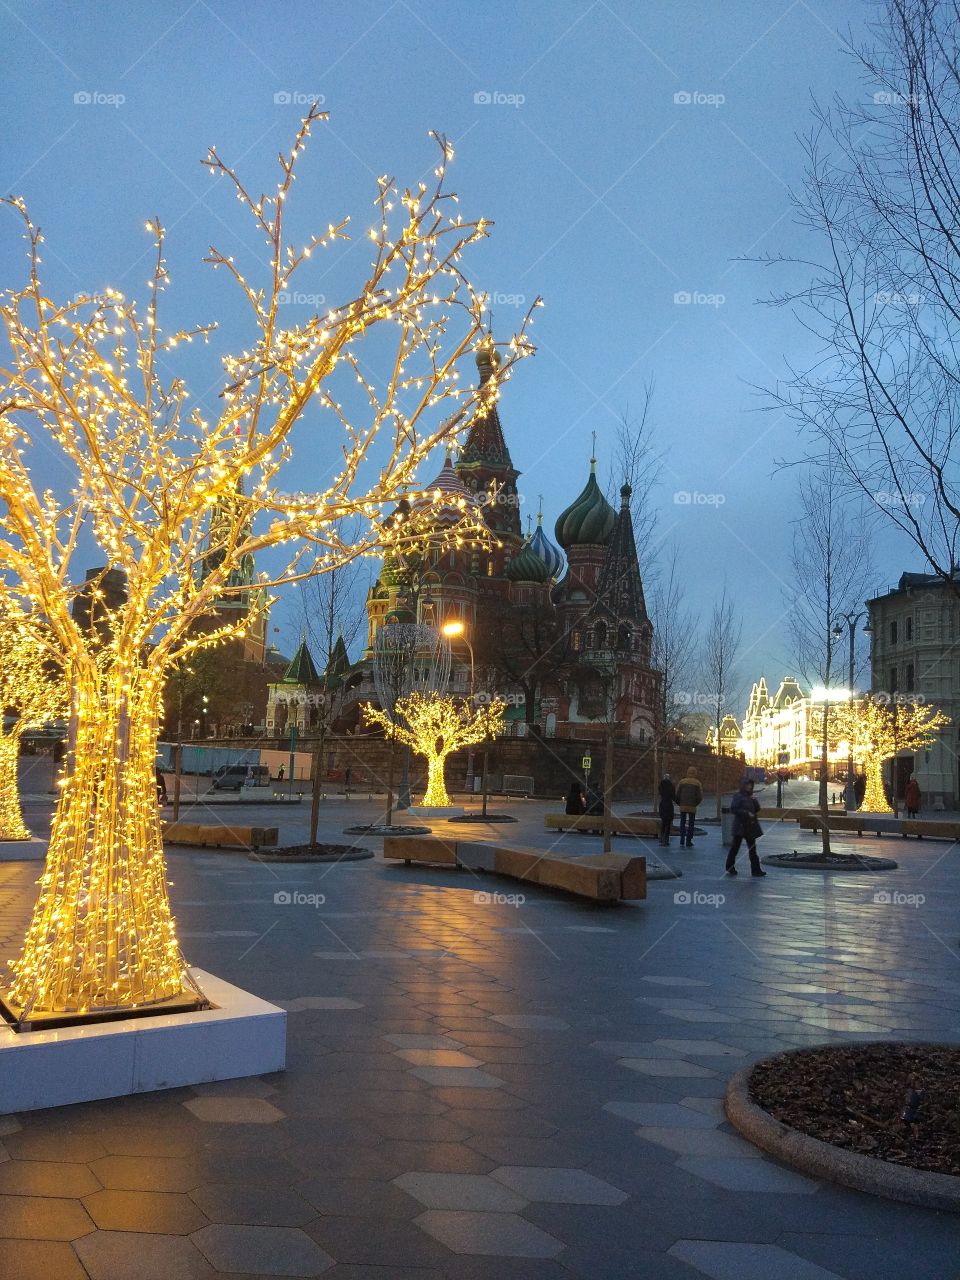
x=689, y=796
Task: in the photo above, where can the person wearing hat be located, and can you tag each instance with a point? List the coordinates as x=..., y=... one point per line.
x=745, y=806
x=689, y=796
x=665, y=807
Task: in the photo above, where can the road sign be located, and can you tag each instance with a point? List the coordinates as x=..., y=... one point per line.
x=587, y=762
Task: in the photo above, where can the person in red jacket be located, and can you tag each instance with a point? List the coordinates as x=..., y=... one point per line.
x=912, y=797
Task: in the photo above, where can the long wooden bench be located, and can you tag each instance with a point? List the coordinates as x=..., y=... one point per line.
x=607, y=877
x=594, y=822
x=794, y=814
x=921, y=827
x=813, y=822
x=208, y=835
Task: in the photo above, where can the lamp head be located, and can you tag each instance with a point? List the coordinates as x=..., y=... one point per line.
x=452, y=629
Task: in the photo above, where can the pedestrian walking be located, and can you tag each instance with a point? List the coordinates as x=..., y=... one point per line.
x=280, y=772
x=576, y=801
x=161, y=786
x=689, y=796
x=745, y=806
x=911, y=797
x=595, y=800
x=665, y=807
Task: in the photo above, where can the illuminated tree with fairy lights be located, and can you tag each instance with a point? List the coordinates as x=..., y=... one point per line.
x=33, y=691
x=433, y=725
x=877, y=729
x=179, y=499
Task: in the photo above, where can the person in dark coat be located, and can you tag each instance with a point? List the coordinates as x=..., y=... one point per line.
x=665, y=807
x=911, y=797
x=161, y=786
x=595, y=800
x=745, y=806
x=576, y=803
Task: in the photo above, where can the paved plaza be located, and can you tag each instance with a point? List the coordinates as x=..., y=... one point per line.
x=489, y=1081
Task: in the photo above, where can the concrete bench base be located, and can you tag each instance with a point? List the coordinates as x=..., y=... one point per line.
x=609, y=877
x=207, y=836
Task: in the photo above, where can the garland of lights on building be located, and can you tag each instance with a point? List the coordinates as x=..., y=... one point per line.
x=91, y=378
x=433, y=725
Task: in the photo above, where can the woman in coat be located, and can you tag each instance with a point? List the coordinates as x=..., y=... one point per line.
x=745, y=806
x=665, y=807
x=911, y=797
x=576, y=801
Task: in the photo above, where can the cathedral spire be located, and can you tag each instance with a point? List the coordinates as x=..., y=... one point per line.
x=619, y=586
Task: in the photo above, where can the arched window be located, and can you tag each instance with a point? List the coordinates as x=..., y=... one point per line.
x=623, y=637
x=600, y=635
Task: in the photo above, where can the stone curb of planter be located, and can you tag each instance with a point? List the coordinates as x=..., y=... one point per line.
x=823, y=1160
x=354, y=855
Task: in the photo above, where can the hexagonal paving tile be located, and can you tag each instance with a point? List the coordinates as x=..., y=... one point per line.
x=331, y=1003
x=503, y=1235
x=459, y=1077
x=234, y=1110
x=424, y=1042
x=703, y=1048
x=147, y=1173
x=9, y=1124
x=43, y=1260
x=45, y=1178
x=558, y=1186
x=532, y=1021
x=252, y=1206
x=163, y=1212
x=437, y=1057
x=135, y=1255
x=688, y=1141
x=42, y=1218
x=665, y=1067
x=725, y=1260
x=665, y=1114
x=747, y=1175
x=47, y=1144
x=271, y=1251
x=460, y=1191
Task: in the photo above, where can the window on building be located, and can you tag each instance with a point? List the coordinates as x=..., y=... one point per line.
x=893, y=679
x=600, y=635
x=908, y=627
x=489, y=568
x=909, y=677
x=893, y=631
x=576, y=642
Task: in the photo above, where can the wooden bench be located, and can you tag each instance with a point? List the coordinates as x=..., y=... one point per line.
x=787, y=814
x=193, y=833
x=813, y=822
x=594, y=822
x=608, y=877
x=921, y=827
x=517, y=784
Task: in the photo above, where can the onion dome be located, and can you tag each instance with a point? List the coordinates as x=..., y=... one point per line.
x=447, y=495
x=589, y=519
x=545, y=549
x=528, y=566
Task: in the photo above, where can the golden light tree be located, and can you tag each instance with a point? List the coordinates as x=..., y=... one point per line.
x=180, y=497
x=433, y=725
x=877, y=730
x=33, y=691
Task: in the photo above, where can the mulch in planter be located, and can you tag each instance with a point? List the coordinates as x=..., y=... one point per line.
x=313, y=853
x=895, y=1102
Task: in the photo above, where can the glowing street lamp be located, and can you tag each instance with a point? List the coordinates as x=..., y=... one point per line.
x=456, y=630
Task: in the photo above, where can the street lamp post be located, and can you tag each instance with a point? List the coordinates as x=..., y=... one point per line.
x=851, y=619
x=456, y=630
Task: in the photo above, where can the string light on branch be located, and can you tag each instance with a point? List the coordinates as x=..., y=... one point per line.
x=877, y=729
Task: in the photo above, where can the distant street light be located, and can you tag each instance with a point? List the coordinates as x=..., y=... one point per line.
x=851, y=619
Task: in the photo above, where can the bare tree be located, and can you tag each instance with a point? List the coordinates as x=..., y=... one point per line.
x=675, y=628
x=636, y=462
x=883, y=192
x=718, y=661
x=830, y=560
x=334, y=604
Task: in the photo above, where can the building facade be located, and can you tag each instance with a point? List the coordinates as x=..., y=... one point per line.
x=568, y=647
x=915, y=653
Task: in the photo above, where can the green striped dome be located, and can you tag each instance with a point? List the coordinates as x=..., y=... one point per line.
x=589, y=519
x=527, y=567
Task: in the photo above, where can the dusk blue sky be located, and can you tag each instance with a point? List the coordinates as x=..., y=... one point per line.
x=609, y=198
